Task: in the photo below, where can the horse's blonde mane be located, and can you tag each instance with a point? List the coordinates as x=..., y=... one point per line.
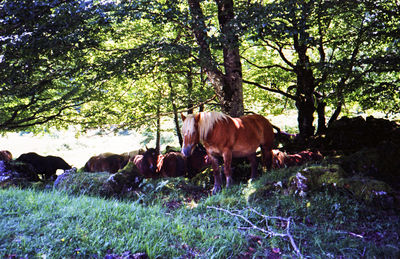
x=188, y=125
x=205, y=124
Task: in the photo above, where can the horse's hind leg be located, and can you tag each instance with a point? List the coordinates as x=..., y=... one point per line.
x=267, y=156
x=253, y=162
x=227, y=155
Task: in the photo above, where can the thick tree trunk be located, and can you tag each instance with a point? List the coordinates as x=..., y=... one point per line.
x=305, y=102
x=232, y=88
x=305, y=88
x=228, y=86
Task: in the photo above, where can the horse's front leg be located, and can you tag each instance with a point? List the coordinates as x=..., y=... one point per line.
x=254, y=165
x=227, y=155
x=216, y=173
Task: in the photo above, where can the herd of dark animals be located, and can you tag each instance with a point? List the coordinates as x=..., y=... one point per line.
x=150, y=163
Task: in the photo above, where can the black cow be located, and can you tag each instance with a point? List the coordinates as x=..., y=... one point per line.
x=44, y=165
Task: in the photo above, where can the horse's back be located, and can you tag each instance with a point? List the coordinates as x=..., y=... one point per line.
x=253, y=131
x=262, y=128
x=173, y=165
x=241, y=135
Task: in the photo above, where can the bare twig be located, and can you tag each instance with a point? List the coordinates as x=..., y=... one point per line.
x=267, y=231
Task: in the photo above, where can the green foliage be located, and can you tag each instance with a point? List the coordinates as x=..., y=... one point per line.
x=44, y=60
x=99, y=63
x=348, y=47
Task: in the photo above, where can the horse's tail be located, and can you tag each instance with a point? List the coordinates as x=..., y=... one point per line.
x=282, y=136
x=278, y=130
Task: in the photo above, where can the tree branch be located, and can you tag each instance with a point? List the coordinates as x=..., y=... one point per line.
x=268, y=231
x=280, y=52
x=271, y=89
x=267, y=67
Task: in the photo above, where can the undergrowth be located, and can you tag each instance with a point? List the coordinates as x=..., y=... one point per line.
x=177, y=218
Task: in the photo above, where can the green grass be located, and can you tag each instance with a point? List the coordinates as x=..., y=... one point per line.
x=171, y=218
x=38, y=223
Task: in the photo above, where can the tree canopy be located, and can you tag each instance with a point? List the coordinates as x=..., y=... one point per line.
x=126, y=63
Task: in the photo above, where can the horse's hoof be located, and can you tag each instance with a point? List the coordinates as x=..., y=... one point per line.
x=216, y=190
x=229, y=182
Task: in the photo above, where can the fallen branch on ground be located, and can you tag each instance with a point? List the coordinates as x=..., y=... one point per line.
x=268, y=231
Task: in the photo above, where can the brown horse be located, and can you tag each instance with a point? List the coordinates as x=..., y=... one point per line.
x=172, y=164
x=147, y=163
x=106, y=162
x=228, y=137
x=175, y=164
x=197, y=161
x=282, y=159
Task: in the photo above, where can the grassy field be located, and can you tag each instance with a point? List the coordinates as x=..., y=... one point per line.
x=175, y=218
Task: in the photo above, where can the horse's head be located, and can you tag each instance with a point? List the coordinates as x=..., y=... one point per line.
x=190, y=133
x=150, y=157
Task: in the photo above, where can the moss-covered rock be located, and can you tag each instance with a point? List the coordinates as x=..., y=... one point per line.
x=381, y=162
x=15, y=173
x=75, y=182
x=314, y=178
x=370, y=191
x=123, y=181
x=101, y=183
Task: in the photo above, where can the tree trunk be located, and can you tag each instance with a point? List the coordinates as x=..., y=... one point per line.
x=189, y=91
x=158, y=132
x=175, y=110
x=305, y=101
x=321, y=117
x=228, y=86
x=335, y=114
x=202, y=86
x=305, y=87
x=232, y=88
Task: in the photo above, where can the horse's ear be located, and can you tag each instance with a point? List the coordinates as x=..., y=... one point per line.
x=183, y=117
x=146, y=147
